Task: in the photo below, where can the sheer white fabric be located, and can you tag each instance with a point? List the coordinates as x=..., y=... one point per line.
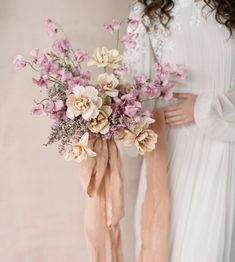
x=201, y=163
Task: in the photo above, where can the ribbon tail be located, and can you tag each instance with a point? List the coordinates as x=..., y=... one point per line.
x=104, y=207
x=156, y=206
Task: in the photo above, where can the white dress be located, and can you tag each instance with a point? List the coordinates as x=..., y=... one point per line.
x=201, y=163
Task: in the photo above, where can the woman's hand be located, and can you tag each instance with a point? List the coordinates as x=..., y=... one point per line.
x=181, y=113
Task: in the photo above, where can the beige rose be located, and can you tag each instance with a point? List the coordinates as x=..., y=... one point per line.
x=108, y=82
x=79, y=152
x=101, y=124
x=105, y=58
x=145, y=140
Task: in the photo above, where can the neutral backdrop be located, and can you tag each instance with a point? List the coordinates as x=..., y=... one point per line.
x=41, y=200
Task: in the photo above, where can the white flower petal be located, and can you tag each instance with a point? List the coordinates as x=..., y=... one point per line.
x=70, y=114
x=84, y=139
x=82, y=157
x=112, y=93
x=89, y=152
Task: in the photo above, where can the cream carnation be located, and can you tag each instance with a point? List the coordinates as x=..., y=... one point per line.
x=108, y=83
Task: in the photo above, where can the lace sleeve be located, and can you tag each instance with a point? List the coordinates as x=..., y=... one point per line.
x=138, y=59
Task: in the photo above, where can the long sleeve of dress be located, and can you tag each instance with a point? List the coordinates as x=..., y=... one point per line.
x=140, y=58
x=215, y=115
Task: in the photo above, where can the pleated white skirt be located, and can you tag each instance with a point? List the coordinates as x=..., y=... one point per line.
x=202, y=181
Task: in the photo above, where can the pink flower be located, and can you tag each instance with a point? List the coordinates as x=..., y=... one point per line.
x=42, y=60
x=131, y=110
x=60, y=115
x=113, y=26
x=55, y=68
x=49, y=107
x=35, y=54
x=167, y=91
x=66, y=76
x=58, y=105
x=153, y=90
x=134, y=21
x=61, y=46
x=128, y=41
x=147, y=117
x=84, y=78
x=38, y=109
x=180, y=72
x=51, y=28
x=19, y=62
x=140, y=81
x=41, y=82
x=121, y=70
x=81, y=56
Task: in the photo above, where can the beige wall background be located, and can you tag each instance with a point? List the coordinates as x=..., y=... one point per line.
x=41, y=200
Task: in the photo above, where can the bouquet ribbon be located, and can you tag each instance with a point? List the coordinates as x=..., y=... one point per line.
x=156, y=207
x=101, y=177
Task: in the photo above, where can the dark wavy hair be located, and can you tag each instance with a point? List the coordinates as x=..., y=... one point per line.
x=161, y=9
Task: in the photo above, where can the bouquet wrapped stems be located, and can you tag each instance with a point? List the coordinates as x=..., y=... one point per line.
x=156, y=206
x=102, y=180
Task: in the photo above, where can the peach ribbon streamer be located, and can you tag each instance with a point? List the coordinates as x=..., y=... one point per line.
x=102, y=180
x=156, y=206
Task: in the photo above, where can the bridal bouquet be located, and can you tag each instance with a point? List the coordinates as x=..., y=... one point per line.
x=83, y=106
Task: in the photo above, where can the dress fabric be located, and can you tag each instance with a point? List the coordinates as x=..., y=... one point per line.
x=201, y=165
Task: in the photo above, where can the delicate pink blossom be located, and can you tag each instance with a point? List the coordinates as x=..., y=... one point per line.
x=19, y=62
x=81, y=56
x=153, y=90
x=66, y=76
x=41, y=82
x=167, y=91
x=38, y=109
x=128, y=41
x=51, y=28
x=49, y=107
x=58, y=105
x=61, y=46
x=180, y=72
x=84, y=78
x=121, y=70
x=113, y=26
x=42, y=60
x=60, y=115
x=131, y=110
x=35, y=54
x=134, y=21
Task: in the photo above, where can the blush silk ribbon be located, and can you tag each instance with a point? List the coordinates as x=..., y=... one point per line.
x=102, y=179
x=156, y=206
